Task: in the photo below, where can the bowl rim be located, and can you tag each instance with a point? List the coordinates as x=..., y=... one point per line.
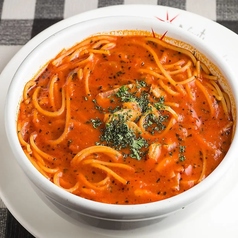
x=129, y=211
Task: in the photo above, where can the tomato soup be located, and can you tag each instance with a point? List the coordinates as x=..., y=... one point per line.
x=126, y=119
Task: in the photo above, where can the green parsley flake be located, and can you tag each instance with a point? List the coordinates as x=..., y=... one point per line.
x=182, y=158
x=124, y=94
x=96, y=122
x=118, y=135
x=182, y=149
x=160, y=104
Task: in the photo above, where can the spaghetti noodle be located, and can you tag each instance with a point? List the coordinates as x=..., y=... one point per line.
x=125, y=119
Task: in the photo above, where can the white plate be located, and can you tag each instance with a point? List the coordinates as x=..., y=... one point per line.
x=213, y=216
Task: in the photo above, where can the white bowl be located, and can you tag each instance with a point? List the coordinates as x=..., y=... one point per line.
x=69, y=205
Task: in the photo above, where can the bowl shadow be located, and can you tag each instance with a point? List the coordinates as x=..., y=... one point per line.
x=161, y=223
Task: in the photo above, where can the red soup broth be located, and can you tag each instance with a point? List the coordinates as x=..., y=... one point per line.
x=125, y=120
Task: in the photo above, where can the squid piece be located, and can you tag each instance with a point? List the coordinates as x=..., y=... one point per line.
x=157, y=91
x=154, y=151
